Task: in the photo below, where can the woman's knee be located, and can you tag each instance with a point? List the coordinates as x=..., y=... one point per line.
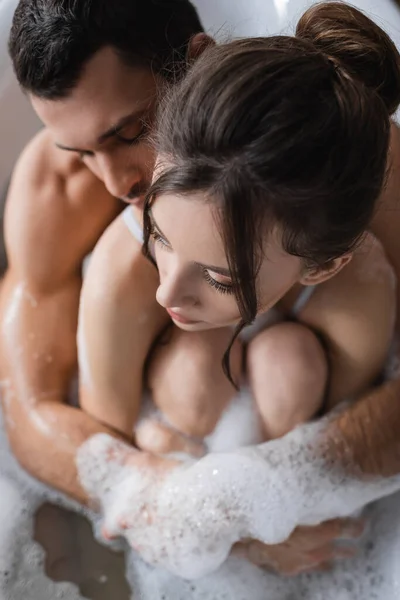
x=187, y=379
x=195, y=356
x=288, y=373
x=292, y=347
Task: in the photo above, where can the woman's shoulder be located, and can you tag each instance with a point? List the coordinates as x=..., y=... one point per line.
x=354, y=287
x=118, y=271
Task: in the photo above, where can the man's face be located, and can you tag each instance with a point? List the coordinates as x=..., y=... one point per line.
x=105, y=121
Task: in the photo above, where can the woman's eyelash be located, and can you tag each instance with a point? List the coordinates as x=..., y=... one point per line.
x=222, y=288
x=158, y=238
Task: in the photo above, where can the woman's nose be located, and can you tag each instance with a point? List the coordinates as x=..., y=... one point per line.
x=175, y=290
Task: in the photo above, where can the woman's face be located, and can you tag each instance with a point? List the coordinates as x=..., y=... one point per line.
x=195, y=281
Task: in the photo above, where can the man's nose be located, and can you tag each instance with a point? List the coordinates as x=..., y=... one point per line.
x=119, y=180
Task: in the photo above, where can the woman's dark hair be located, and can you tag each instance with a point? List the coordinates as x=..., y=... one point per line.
x=288, y=131
x=52, y=40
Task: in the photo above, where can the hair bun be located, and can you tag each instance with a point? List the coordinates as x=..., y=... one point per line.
x=352, y=41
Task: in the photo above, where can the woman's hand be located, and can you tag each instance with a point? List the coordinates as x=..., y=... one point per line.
x=155, y=436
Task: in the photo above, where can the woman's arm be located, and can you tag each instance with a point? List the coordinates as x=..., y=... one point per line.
x=118, y=322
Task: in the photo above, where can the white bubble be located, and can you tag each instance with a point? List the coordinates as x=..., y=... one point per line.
x=374, y=574
x=194, y=529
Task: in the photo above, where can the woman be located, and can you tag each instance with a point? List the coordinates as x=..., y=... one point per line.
x=303, y=192
x=276, y=149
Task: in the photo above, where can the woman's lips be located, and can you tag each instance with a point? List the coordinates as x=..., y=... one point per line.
x=179, y=318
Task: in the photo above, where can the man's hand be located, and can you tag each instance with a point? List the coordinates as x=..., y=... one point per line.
x=307, y=549
x=163, y=509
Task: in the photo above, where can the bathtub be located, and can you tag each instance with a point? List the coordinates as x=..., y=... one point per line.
x=48, y=551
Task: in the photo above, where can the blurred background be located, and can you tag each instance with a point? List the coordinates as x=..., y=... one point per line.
x=222, y=18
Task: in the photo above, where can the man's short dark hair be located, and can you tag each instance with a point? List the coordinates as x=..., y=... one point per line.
x=52, y=40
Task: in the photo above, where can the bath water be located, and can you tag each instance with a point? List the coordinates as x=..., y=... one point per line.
x=371, y=575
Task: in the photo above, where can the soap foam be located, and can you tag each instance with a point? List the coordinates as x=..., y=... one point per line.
x=187, y=520
x=22, y=575
x=371, y=575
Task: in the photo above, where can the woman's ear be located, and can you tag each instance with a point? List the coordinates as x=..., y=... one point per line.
x=320, y=274
x=197, y=45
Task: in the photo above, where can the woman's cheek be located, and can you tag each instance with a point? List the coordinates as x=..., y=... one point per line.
x=226, y=310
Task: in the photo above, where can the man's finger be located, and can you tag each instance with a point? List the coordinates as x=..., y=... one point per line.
x=354, y=529
x=323, y=567
x=107, y=535
x=310, y=537
x=123, y=524
x=345, y=551
x=344, y=528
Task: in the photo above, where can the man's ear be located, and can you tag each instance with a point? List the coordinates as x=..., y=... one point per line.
x=320, y=274
x=197, y=45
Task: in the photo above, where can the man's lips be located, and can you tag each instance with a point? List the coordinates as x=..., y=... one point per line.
x=134, y=201
x=136, y=195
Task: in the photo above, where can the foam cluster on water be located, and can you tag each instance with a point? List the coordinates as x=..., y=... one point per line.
x=187, y=520
x=239, y=425
x=373, y=575
x=22, y=573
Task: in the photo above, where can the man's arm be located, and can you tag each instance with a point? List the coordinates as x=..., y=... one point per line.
x=369, y=430
x=54, y=215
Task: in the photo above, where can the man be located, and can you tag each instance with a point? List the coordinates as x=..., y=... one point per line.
x=92, y=71
x=93, y=68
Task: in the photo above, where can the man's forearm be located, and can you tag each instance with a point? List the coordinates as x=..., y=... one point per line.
x=319, y=471
x=365, y=438
x=338, y=465
x=37, y=362
x=45, y=440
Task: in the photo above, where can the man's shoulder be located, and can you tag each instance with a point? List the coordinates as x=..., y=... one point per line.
x=56, y=210
x=43, y=160
x=54, y=187
x=45, y=170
